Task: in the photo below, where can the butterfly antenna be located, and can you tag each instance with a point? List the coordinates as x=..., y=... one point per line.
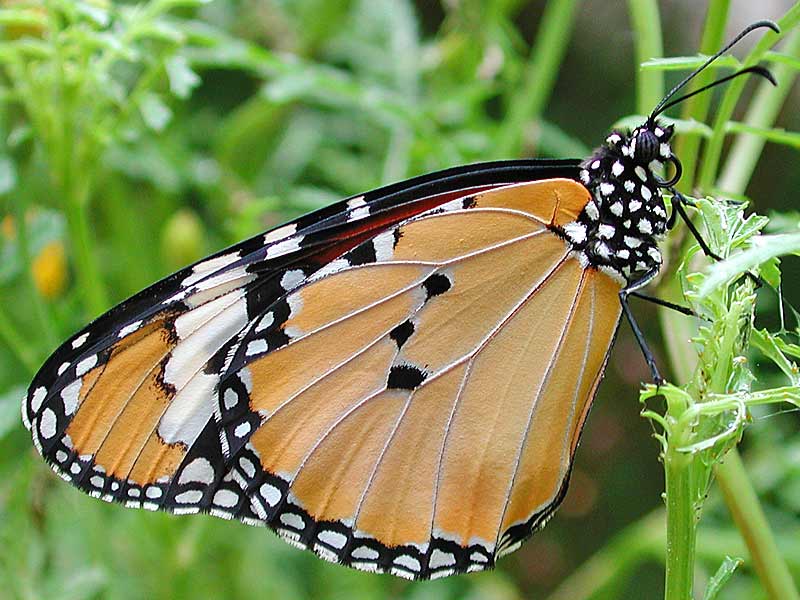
x=757, y=25
x=761, y=71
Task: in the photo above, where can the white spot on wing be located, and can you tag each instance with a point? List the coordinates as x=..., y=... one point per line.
x=333, y=538
x=358, y=209
x=270, y=493
x=130, y=328
x=284, y=247
x=86, y=365
x=257, y=347
x=617, y=169
x=197, y=471
x=189, y=497
x=37, y=398
x=280, y=233
x=441, y=559
x=267, y=320
x=80, y=340
x=226, y=498
x=384, y=245
x=70, y=396
x=641, y=173
x=409, y=562
x=242, y=429
x=292, y=278
x=47, y=423
x=63, y=367
x=293, y=520
x=365, y=553
x=209, y=266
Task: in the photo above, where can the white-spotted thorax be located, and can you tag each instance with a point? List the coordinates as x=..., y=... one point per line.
x=618, y=230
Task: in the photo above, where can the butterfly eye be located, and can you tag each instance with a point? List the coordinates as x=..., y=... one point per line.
x=646, y=146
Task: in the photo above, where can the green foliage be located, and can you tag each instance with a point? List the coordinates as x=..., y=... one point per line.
x=135, y=138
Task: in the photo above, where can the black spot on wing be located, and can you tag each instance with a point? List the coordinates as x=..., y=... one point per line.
x=402, y=332
x=362, y=254
x=405, y=377
x=436, y=284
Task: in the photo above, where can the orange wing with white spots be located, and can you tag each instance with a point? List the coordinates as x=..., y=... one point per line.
x=398, y=390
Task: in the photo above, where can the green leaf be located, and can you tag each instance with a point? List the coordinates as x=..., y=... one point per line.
x=775, y=349
x=182, y=79
x=721, y=577
x=763, y=248
x=155, y=113
x=771, y=134
x=9, y=409
x=687, y=63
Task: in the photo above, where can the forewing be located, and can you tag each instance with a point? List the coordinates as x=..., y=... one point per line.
x=418, y=413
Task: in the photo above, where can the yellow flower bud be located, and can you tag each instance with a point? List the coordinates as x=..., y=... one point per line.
x=49, y=270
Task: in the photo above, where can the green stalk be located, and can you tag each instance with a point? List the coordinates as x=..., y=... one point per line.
x=749, y=517
x=681, y=527
x=733, y=92
x=740, y=497
x=552, y=39
x=764, y=108
x=681, y=511
x=73, y=178
x=688, y=146
x=646, y=22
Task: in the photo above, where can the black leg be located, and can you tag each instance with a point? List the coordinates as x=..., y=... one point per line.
x=678, y=201
x=666, y=304
x=637, y=332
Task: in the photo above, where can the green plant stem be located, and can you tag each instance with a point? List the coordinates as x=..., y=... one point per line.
x=763, y=110
x=731, y=96
x=681, y=510
x=552, y=40
x=749, y=517
x=688, y=146
x=646, y=23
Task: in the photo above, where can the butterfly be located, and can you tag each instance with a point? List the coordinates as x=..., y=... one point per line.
x=397, y=381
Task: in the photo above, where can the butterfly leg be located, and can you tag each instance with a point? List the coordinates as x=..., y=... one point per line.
x=666, y=304
x=629, y=290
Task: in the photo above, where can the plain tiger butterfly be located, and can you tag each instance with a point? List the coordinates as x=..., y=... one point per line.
x=397, y=382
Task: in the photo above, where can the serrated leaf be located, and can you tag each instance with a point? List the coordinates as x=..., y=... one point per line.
x=763, y=248
x=182, y=79
x=721, y=577
x=775, y=349
x=155, y=113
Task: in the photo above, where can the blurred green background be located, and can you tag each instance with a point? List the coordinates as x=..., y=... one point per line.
x=135, y=139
